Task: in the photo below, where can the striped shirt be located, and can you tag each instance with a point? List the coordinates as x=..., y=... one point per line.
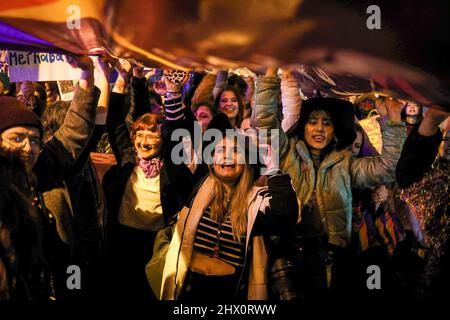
x=173, y=105
x=207, y=237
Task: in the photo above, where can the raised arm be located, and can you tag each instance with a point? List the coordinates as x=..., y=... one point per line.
x=79, y=123
x=139, y=95
x=104, y=69
x=59, y=154
x=290, y=100
x=118, y=133
x=265, y=111
x=221, y=83
x=177, y=116
x=420, y=149
x=173, y=101
x=266, y=97
x=369, y=172
x=175, y=111
x=205, y=88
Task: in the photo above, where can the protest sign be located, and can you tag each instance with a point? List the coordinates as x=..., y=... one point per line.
x=66, y=89
x=3, y=55
x=35, y=66
x=373, y=130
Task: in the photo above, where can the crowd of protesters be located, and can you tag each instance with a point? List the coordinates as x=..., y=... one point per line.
x=151, y=228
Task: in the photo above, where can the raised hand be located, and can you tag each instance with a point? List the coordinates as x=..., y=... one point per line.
x=123, y=67
x=102, y=64
x=87, y=70
x=392, y=107
x=138, y=71
x=160, y=87
x=222, y=76
x=81, y=62
x=380, y=106
x=175, y=79
x=287, y=74
x=271, y=71
x=433, y=118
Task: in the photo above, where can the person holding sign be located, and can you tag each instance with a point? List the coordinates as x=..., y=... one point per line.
x=21, y=132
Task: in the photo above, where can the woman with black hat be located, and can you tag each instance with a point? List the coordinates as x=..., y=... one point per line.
x=323, y=173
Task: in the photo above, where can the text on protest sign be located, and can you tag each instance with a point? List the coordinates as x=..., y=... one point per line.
x=38, y=66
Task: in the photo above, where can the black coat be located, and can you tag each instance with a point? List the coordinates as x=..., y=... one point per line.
x=418, y=154
x=56, y=163
x=176, y=181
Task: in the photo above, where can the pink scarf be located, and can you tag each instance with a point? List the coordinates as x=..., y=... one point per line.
x=151, y=167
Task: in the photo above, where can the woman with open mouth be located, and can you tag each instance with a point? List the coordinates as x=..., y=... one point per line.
x=323, y=174
x=218, y=241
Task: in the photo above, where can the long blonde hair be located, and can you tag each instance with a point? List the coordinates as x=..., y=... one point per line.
x=238, y=196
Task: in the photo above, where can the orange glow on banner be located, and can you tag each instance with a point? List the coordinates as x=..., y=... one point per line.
x=201, y=34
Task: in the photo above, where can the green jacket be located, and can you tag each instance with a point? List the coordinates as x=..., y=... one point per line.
x=338, y=173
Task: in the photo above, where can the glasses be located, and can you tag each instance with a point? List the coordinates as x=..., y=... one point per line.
x=150, y=136
x=19, y=142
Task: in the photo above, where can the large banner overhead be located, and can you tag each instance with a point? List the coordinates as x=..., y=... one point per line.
x=398, y=47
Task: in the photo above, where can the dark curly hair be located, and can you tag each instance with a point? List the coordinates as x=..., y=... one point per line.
x=53, y=117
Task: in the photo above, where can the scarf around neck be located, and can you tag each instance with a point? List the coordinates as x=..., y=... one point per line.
x=150, y=167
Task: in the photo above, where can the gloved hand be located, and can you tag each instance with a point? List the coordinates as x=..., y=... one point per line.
x=175, y=79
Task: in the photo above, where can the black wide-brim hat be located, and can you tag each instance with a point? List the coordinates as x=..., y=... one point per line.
x=342, y=116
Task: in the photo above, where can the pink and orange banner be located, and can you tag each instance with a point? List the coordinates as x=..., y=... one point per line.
x=333, y=37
